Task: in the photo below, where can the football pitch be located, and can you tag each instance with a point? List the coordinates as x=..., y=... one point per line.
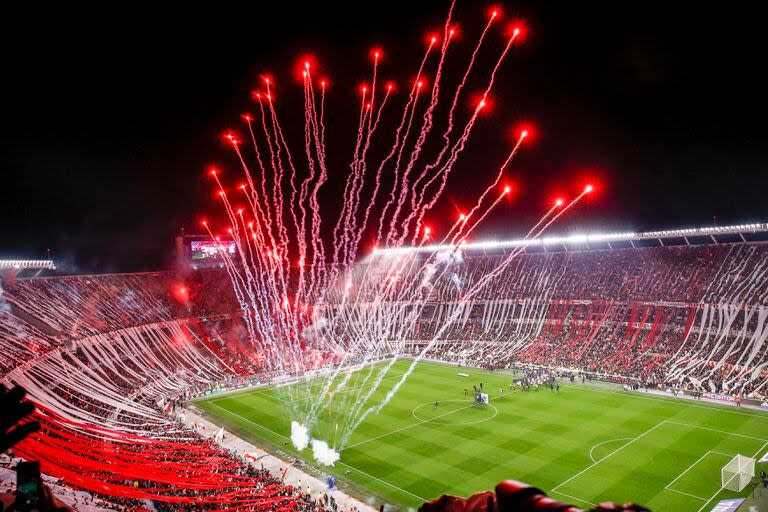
x=583, y=444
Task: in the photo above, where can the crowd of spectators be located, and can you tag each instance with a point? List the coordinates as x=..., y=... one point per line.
x=115, y=350
x=689, y=316
x=42, y=314
x=733, y=273
x=127, y=382
x=646, y=342
x=184, y=471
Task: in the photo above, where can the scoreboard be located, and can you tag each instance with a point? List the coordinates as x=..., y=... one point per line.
x=197, y=252
x=207, y=250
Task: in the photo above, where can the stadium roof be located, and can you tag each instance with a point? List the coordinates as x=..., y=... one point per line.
x=27, y=264
x=582, y=239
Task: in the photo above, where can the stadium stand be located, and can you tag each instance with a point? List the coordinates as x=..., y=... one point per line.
x=690, y=316
x=108, y=358
x=106, y=382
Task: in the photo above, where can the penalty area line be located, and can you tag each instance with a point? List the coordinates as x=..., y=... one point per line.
x=685, y=494
x=723, y=487
x=574, y=498
x=702, y=427
x=607, y=456
x=668, y=487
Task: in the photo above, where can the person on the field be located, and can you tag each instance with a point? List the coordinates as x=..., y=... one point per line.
x=465, y=392
x=557, y=387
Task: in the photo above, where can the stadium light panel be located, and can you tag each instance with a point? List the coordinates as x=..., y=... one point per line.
x=582, y=238
x=24, y=264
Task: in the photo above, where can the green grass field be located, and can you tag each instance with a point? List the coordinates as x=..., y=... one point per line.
x=584, y=445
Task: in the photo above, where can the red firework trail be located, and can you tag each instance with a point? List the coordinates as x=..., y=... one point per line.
x=398, y=141
x=495, y=182
x=300, y=296
x=422, y=208
x=449, y=129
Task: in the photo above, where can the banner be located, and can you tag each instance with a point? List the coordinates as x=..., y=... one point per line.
x=718, y=396
x=728, y=505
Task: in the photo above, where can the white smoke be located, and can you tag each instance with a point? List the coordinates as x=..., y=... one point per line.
x=314, y=331
x=429, y=272
x=323, y=453
x=299, y=435
x=446, y=257
x=449, y=256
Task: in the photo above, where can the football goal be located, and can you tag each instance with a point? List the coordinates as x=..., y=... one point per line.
x=738, y=473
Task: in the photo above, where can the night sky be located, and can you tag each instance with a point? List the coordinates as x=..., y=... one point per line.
x=110, y=117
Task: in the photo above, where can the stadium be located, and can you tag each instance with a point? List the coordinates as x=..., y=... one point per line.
x=383, y=304
x=631, y=327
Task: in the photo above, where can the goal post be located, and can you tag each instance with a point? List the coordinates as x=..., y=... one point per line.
x=737, y=474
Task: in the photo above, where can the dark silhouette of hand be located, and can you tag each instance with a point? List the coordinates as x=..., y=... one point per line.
x=14, y=408
x=512, y=496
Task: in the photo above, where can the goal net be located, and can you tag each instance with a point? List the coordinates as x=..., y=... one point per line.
x=738, y=473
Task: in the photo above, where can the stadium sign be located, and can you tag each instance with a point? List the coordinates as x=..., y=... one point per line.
x=728, y=505
x=718, y=396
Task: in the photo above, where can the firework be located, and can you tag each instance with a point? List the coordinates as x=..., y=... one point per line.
x=328, y=316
